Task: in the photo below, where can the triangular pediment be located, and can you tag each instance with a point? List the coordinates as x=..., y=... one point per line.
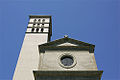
x=66, y=42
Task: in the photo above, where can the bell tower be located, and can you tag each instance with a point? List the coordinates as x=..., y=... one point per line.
x=39, y=31
x=40, y=25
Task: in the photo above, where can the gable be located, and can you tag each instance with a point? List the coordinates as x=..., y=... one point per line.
x=67, y=44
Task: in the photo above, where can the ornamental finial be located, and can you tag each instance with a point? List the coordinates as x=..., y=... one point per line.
x=65, y=36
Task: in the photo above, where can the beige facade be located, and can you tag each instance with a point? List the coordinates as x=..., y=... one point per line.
x=83, y=60
x=67, y=59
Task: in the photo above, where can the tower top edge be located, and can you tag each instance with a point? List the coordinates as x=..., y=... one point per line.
x=40, y=16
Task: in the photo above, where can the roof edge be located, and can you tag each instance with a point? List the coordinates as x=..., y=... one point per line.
x=66, y=38
x=40, y=16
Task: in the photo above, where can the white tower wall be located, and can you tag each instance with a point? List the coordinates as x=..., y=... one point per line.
x=29, y=55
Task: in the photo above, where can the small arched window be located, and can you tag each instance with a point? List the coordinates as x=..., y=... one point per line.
x=37, y=29
x=34, y=24
x=38, y=24
x=32, y=30
x=42, y=29
x=34, y=20
x=42, y=25
x=38, y=19
x=43, y=20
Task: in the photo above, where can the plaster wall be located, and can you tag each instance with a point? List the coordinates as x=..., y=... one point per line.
x=50, y=60
x=29, y=56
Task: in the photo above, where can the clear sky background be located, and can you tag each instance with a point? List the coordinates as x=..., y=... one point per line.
x=92, y=21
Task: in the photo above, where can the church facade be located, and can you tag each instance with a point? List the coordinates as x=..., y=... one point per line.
x=62, y=59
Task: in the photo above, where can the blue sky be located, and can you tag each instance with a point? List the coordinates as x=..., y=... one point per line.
x=92, y=21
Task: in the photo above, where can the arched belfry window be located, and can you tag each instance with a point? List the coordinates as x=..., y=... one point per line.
x=42, y=29
x=42, y=25
x=43, y=20
x=34, y=20
x=37, y=29
x=32, y=30
x=39, y=20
